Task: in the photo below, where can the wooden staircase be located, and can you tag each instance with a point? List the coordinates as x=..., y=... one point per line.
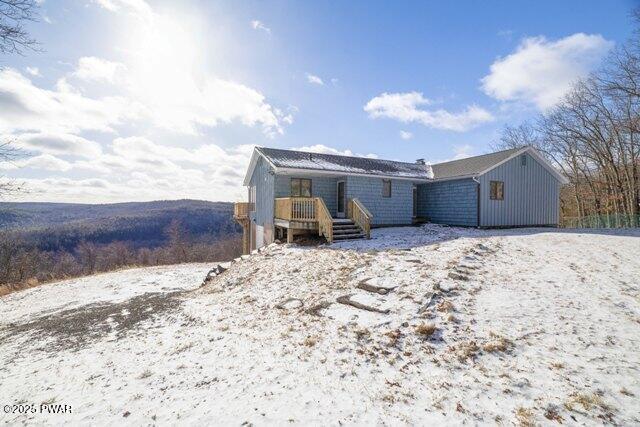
x=346, y=229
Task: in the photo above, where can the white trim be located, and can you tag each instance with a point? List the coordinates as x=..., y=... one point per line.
x=544, y=162
x=250, y=169
x=252, y=165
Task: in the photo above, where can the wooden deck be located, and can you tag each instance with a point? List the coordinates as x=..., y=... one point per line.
x=301, y=214
x=311, y=213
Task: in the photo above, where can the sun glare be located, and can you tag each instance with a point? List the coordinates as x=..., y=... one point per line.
x=164, y=61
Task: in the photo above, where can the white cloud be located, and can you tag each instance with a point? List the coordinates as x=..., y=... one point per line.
x=137, y=168
x=91, y=68
x=139, y=8
x=404, y=107
x=34, y=71
x=182, y=105
x=323, y=149
x=462, y=151
x=46, y=162
x=165, y=73
x=58, y=144
x=259, y=25
x=459, y=152
x=313, y=79
x=26, y=107
x=166, y=86
x=541, y=71
x=405, y=134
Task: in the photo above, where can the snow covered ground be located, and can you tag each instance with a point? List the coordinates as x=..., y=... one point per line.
x=453, y=326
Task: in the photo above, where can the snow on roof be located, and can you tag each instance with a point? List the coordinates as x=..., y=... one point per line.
x=471, y=166
x=290, y=159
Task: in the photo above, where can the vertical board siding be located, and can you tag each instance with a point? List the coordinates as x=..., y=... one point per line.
x=531, y=195
x=452, y=202
x=394, y=210
x=325, y=187
x=264, y=183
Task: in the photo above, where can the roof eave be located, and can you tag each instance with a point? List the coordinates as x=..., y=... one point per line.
x=289, y=171
x=257, y=153
x=453, y=178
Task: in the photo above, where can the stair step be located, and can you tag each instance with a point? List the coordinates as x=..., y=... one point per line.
x=348, y=236
x=349, y=231
x=342, y=227
x=342, y=221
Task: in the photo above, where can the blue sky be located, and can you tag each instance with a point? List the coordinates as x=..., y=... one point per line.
x=142, y=100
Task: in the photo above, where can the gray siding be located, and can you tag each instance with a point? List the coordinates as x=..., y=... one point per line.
x=264, y=183
x=531, y=195
x=452, y=202
x=325, y=187
x=394, y=210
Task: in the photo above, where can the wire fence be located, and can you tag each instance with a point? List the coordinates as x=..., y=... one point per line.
x=602, y=221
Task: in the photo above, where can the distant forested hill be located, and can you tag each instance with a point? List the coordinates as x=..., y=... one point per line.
x=62, y=226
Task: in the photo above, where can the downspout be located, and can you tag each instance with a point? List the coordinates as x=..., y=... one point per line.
x=475, y=178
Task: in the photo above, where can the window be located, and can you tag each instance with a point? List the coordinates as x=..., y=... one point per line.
x=523, y=160
x=497, y=190
x=300, y=187
x=386, y=188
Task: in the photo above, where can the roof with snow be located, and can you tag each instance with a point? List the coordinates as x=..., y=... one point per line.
x=290, y=159
x=472, y=165
x=283, y=160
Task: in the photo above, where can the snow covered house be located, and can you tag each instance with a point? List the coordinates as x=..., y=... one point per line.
x=342, y=197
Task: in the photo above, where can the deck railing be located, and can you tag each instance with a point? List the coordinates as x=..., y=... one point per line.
x=325, y=221
x=314, y=209
x=306, y=209
x=360, y=215
x=301, y=209
x=242, y=209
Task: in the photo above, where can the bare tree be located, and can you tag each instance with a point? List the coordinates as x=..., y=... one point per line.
x=88, y=256
x=14, y=38
x=8, y=153
x=178, y=244
x=593, y=136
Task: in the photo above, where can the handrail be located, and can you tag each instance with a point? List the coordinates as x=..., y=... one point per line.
x=325, y=221
x=360, y=215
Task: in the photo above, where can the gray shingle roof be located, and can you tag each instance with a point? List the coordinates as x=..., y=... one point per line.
x=345, y=164
x=470, y=165
x=362, y=165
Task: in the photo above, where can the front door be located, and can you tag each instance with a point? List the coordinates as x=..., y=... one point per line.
x=415, y=201
x=341, y=200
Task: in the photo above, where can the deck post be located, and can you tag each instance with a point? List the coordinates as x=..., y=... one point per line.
x=241, y=215
x=290, y=235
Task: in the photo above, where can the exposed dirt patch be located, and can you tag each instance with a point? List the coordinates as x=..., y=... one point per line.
x=75, y=328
